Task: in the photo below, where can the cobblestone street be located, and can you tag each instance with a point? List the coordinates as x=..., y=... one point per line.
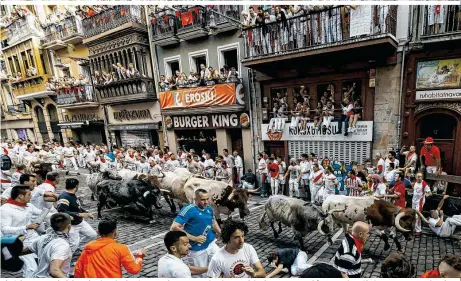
x=424, y=252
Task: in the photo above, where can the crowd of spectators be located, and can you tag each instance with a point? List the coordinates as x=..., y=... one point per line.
x=322, y=115
x=207, y=76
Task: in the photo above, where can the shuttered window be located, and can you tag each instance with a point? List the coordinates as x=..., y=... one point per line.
x=334, y=150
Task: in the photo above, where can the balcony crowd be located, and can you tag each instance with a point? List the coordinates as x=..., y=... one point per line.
x=70, y=90
x=207, y=76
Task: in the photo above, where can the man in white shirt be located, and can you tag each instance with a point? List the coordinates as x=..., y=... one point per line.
x=316, y=178
x=236, y=259
x=208, y=165
x=238, y=165
x=420, y=190
x=53, y=250
x=391, y=159
x=389, y=174
x=49, y=185
x=380, y=164
x=229, y=161
x=142, y=166
x=16, y=219
x=410, y=160
x=30, y=151
x=293, y=172
x=261, y=170
x=329, y=181
x=69, y=153
x=305, y=166
x=170, y=265
x=439, y=226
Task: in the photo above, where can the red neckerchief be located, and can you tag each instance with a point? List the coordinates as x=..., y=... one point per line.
x=5, y=151
x=131, y=155
x=49, y=182
x=409, y=154
x=18, y=171
x=16, y=203
x=358, y=243
x=103, y=160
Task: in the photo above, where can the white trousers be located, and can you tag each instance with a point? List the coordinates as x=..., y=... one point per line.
x=202, y=258
x=70, y=160
x=293, y=187
x=295, y=121
x=277, y=124
x=30, y=266
x=246, y=185
x=275, y=184
x=418, y=205
x=314, y=191
x=327, y=120
x=300, y=264
x=81, y=234
x=449, y=226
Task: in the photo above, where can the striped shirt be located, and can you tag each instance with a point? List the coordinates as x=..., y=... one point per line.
x=348, y=260
x=353, y=184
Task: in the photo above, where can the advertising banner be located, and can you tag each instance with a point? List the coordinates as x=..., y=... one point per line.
x=216, y=95
x=438, y=74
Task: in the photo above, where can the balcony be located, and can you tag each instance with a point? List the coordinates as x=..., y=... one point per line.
x=223, y=24
x=332, y=30
x=164, y=27
x=31, y=87
x=192, y=22
x=440, y=23
x=23, y=28
x=126, y=90
x=58, y=35
x=113, y=18
x=76, y=97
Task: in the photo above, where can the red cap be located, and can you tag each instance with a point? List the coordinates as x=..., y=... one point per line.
x=429, y=140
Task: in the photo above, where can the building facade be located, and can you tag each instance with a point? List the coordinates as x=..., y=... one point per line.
x=432, y=89
x=335, y=52
x=214, y=115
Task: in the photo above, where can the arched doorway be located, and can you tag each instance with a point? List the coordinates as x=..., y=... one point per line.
x=442, y=127
x=54, y=120
x=41, y=123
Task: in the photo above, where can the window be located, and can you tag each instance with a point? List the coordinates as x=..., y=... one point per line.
x=172, y=64
x=352, y=88
x=44, y=62
x=25, y=61
x=16, y=64
x=11, y=65
x=198, y=58
x=229, y=55
x=31, y=58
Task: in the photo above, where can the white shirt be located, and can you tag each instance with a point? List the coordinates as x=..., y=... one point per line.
x=142, y=167
x=15, y=219
x=155, y=171
x=58, y=149
x=382, y=164
x=419, y=191
x=40, y=202
x=229, y=160
x=389, y=175
x=231, y=265
x=90, y=156
x=432, y=225
x=56, y=249
x=208, y=163
x=387, y=162
x=238, y=161
x=15, y=178
x=27, y=153
x=380, y=190
x=262, y=166
x=305, y=166
x=170, y=266
x=68, y=151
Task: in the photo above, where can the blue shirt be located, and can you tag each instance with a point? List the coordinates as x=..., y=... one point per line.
x=195, y=221
x=340, y=176
x=111, y=155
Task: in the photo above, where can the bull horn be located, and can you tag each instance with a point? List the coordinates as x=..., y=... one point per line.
x=165, y=191
x=397, y=222
x=422, y=217
x=319, y=227
x=336, y=210
x=318, y=209
x=231, y=195
x=163, y=175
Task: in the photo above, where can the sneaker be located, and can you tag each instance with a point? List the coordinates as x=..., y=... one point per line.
x=349, y=129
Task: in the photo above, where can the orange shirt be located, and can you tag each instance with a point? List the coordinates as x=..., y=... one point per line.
x=430, y=156
x=431, y=274
x=104, y=258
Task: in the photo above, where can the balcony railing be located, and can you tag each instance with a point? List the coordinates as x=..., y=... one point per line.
x=67, y=28
x=232, y=11
x=441, y=19
x=22, y=28
x=191, y=18
x=317, y=29
x=126, y=89
x=112, y=18
x=164, y=24
x=75, y=95
x=29, y=85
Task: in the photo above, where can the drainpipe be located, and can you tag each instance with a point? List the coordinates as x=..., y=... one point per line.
x=402, y=71
x=155, y=70
x=250, y=100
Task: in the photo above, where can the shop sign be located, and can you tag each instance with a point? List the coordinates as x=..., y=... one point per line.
x=216, y=95
x=437, y=74
x=363, y=132
x=132, y=114
x=225, y=120
x=81, y=117
x=446, y=94
x=154, y=126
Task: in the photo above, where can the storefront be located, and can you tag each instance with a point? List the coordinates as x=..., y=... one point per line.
x=212, y=132
x=291, y=142
x=18, y=129
x=85, y=125
x=433, y=106
x=134, y=125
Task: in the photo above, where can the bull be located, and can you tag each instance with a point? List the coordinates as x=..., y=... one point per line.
x=92, y=180
x=127, y=174
x=384, y=215
x=303, y=217
x=37, y=166
x=224, y=199
x=141, y=194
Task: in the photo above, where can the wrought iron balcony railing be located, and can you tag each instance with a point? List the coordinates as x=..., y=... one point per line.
x=67, y=28
x=231, y=11
x=316, y=29
x=112, y=18
x=441, y=19
x=164, y=24
x=191, y=18
x=75, y=95
x=22, y=28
